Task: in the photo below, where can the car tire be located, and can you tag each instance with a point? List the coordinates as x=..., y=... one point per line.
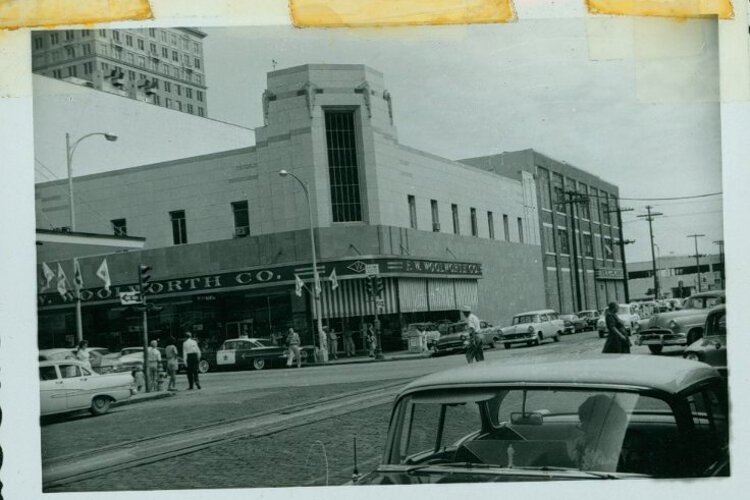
x=538, y=339
x=506, y=345
x=100, y=405
x=203, y=366
x=258, y=364
x=556, y=338
x=655, y=349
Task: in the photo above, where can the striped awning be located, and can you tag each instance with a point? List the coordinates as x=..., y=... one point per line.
x=351, y=300
x=422, y=294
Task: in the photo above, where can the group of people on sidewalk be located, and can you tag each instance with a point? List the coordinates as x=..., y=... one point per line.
x=191, y=354
x=350, y=349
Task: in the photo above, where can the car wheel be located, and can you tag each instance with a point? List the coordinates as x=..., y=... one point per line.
x=203, y=366
x=556, y=338
x=506, y=345
x=100, y=405
x=259, y=364
x=692, y=356
x=491, y=345
x=655, y=349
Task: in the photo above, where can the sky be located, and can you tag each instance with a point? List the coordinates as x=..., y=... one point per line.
x=644, y=116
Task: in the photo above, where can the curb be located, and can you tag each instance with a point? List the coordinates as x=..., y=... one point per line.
x=151, y=396
x=369, y=360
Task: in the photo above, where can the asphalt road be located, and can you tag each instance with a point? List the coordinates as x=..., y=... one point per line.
x=286, y=423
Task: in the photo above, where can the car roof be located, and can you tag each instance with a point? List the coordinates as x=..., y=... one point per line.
x=254, y=339
x=670, y=375
x=61, y=361
x=539, y=311
x=710, y=293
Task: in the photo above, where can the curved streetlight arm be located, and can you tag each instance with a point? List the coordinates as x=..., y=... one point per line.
x=72, y=148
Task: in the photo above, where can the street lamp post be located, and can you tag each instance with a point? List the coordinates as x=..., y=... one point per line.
x=316, y=276
x=70, y=149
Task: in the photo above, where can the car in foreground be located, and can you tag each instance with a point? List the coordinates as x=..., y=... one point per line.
x=531, y=328
x=573, y=323
x=628, y=314
x=712, y=348
x=680, y=328
x=598, y=417
x=66, y=386
x=256, y=353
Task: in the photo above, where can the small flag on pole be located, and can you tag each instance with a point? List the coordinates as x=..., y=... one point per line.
x=49, y=275
x=103, y=274
x=77, y=276
x=298, y=284
x=62, y=282
x=334, y=280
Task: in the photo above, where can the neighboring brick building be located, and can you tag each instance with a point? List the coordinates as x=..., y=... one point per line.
x=162, y=66
x=601, y=277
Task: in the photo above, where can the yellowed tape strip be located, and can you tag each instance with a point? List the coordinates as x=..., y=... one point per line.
x=361, y=13
x=663, y=8
x=16, y=14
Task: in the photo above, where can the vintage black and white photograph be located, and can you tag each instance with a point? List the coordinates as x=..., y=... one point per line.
x=274, y=257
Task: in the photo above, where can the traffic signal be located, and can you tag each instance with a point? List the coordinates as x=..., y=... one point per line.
x=369, y=285
x=378, y=286
x=144, y=277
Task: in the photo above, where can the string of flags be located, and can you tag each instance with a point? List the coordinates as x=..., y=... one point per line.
x=299, y=284
x=63, y=285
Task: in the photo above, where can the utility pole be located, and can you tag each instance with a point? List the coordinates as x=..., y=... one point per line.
x=721, y=261
x=697, y=257
x=622, y=243
x=650, y=218
x=574, y=198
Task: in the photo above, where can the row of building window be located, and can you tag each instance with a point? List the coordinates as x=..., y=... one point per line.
x=601, y=206
x=179, y=223
x=562, y=244
x=412, y=202
x=70, y=36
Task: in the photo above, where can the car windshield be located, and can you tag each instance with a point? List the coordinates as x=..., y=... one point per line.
x=524, y=319
x=625, y=310
x=589, y=430
x=237, y=344
x=704, y=302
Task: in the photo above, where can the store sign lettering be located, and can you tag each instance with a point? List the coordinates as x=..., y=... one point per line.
x=434, y=267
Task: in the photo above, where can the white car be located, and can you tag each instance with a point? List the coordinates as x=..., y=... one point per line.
x=532, y=327
x=66, y=386
x=628, y=314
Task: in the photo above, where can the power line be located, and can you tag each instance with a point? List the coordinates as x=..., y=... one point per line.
x=690, y=197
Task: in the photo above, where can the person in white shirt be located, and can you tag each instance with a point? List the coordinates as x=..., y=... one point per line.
x=82, y=354
x=192, y=355
x=154, y=362
x=474, y=351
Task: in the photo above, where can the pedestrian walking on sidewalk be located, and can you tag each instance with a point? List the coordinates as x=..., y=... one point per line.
x=333, y=344
x=82, y=354
x=292, y=340
x=154, y=362
x=474, y=348
x=371, y=340
x=349, y=348
x=192, y=354
x=617, y=339
x=172, y=363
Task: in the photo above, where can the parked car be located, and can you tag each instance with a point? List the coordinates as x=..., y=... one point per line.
x=682, y=327
x=256, y=353
x=712, y=348
x=454, y=338
x=590, y=316
x=427, y=329
x=594, y=419
x=66, y=386
x=55, y=354
x=628, y=314
x=133, y=358
x=532, y=328
x=573, y=323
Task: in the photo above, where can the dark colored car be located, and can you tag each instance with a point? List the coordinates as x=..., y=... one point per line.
x=255, y=353
x=592, y=419
x=590, y=316
x=573, y=324
x=454, y=338
x=712, y=348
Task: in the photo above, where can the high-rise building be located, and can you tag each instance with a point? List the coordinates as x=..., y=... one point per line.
x=162, y=66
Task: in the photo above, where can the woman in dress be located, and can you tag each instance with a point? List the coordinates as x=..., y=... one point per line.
x=171, y=354
x=82, y=354
x=617, y=339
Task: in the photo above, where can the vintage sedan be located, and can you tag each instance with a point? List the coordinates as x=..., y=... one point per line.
x=67, y=385
x=531, y=328
x=590, y=316
x=255, y=353
x=680, y=328
x=598, y=417
x=573, y=323
x=712, y=348
x=454, y=338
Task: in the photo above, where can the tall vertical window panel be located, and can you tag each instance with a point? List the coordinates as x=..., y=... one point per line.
x=506, y=227
x=343, y=167
x=456, y=224
x=179, y=227
x=474, y=225
x=412, y=211
x=241, y=218
x=520, y=230
x=491, y=225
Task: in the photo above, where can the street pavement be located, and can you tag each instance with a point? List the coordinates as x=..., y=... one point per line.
x=253, y=428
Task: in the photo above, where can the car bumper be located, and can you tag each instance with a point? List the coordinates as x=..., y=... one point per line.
x=452, y=347
x=660, y=338
x=518, y=338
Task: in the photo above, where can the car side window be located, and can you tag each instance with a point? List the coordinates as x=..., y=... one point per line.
x=711, y=432
x=47, y=373
x=70, y=371
x=543, y=317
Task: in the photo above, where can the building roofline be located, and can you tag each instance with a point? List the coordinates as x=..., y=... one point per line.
x=163, y=164
x=194, y=31
x=321, y=66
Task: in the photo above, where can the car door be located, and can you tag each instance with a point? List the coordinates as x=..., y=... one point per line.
x=52, y=397
x=77, y=389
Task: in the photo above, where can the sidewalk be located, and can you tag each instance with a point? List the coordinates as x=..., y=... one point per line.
x=390, y=356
